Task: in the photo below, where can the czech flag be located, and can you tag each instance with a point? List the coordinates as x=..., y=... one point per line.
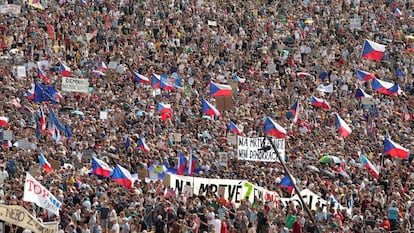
x=100, y=168
x=182, y=163
x=166, y=86
x=295, y=111
x=4, y=121
x=305, y=74
x=234, y=128
x=364, y=76
x=397, y=12
x=164, y=108
x=42, y=75
x=394, y=149
x=274, y=129
x=372, y=50
x=371, y=168
x=42, y=119
x=318, y=102
x=209, y=109
x=342, y=126
x=84, y=3
x=220, y=89
x=238, y=79
x=386, y=88
x=101, y=65
x=139, y=78
x=155, y=81
x=361, y=94
x=122, y=176
x=64, y=70
x=287, y=183
x=143, y=146
x=45, y=164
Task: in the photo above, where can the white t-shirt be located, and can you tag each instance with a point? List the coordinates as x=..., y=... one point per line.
x=115, y=228
x=217, y=225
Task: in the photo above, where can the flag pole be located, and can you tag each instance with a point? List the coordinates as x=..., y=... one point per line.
x=308, y=211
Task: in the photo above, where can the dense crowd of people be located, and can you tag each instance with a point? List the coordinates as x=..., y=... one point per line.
x=264, y=42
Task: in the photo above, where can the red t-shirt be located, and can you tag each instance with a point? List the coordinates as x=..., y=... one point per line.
x=297, y=227
x=223, y=227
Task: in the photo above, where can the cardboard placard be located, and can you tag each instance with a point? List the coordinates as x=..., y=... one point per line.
x=224, y=103
x=78, y=165
x=23, y=144
x=232, y=139
x=54, y=163
x=175, y=137
x=166, y=181
x=34, y=171
x=367, y=101
x=222, y=159
x=188, y=190
x=221, y=191
x=86, y=155
x=103, y=115
x=21, y=71
x=7, y=135
x=142, y=173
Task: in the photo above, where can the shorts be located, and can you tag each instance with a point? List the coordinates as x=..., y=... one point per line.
x=104, y=223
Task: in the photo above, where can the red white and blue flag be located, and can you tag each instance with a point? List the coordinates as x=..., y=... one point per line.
x=370, y=167
x=372, y=50
x=4, y=121
x=42, y=75
x=143, y=146
x=156, y=81
x=287, y=183
x=386, y=88
x=342, y=126
x=361, y=94
x=44, y=163
x=182, y=163
x=364, y=76
x=397, y=12
x=318, y=102
x=139, y=78
x=209, y=109
x=122, y=176
x=274, y=129
x=234, y=128
x=64, y=70
x=220, y=89
x=101, y=65
x=100, y=168
x=394, y=149
x=42, y=120
x=295, y=111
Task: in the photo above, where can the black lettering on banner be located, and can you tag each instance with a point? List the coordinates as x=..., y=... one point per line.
x=213, y=188
x=29, y=222
x=258, y=194
x=243, y=141
x=238, y=194
x=231, y=191
x=16, y=215
x=253, y=142
x=203, y=188
x=243, y=153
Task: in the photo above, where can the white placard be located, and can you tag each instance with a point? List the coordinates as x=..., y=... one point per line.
x=236, y=190
x=367, y=101
x=10, y=9
x=21, y=71
x=212, y=23
x=112, y=65
x=355, y=23
x=75, y=85
x=7, y=135
x=23, y=144
x=103, y=115
x=252, y=149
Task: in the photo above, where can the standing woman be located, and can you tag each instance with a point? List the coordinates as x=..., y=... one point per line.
x=124, y=222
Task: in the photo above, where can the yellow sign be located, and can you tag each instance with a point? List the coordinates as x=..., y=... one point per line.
x=19, y=216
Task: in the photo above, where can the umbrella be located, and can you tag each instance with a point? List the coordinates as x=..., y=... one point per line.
x=329, y=159
x=327, y=173
x=312, y=168
x=77, y=112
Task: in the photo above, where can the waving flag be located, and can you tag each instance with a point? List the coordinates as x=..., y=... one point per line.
x=397, y=12
x=342, y=126
x=394, y=149
x=238, y=79
x=42, y=119
x=182, y=163
x=139, y=78
x=42, y=75
x=122, y=176
x=287, y=183
x=274, y=129
x=100, y=168
x=192, y=164
x=143, y=146
x=164, y=108
x=68, y=132
x=220, y=89
x=295, y=111
x=84, y=3
x=372, y=50
x=64, y=70
x=318, y=102
x=44, y=163
x=361, y=94
x=166, y=86
x=370, y=167
x=44, y=93
x=4, y=121
x=234, y=128
x=209, y=109
x=127, y=142
x=54, y=120
x=364, y=76
x=386, y=88
x=156, y=81
x=304, y=74
x=325, y=89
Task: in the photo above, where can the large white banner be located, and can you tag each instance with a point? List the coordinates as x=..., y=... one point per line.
x=252, y=149
x=10, y=9
x=19, y=216
x=75, y=85
x=234, y=190
x=35, y=192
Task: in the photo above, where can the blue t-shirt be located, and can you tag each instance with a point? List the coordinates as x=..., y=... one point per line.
x=393, y=213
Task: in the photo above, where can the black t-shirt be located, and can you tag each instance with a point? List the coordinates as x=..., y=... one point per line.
x=104, y=212
x=159, y=226
x=204, y=219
